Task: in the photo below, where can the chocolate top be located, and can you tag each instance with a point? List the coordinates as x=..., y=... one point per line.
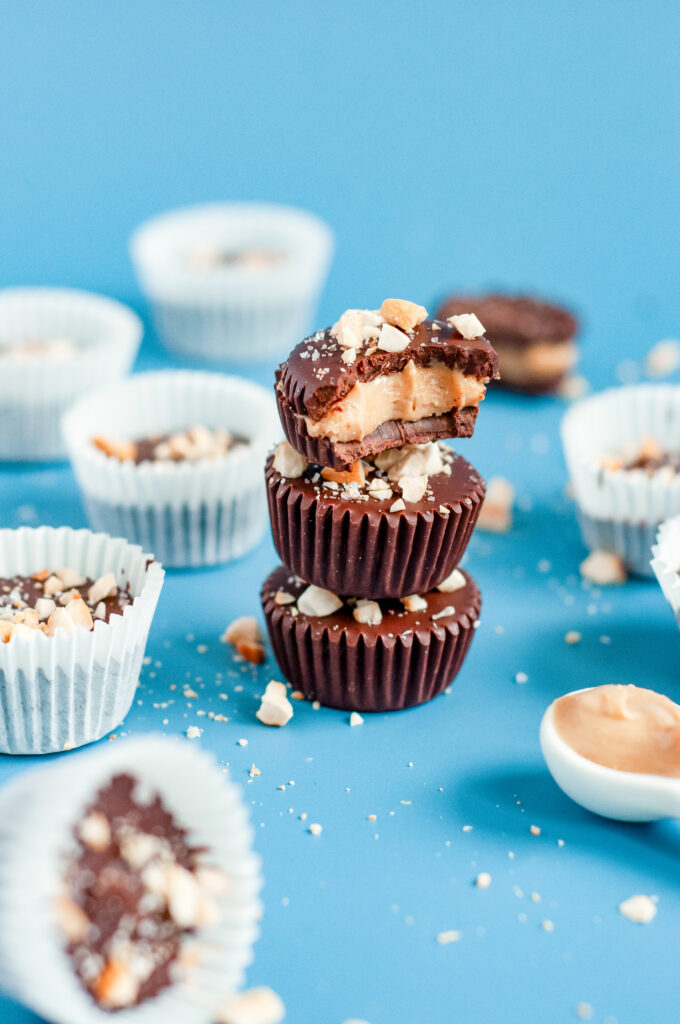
x=460, y=608
x=455, y=485
x=314, y=377
x=516, y=320
x=133, y=890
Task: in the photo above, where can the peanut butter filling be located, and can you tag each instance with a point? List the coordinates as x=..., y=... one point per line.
x=541, y=361
x=410, y=395
x=623, y=727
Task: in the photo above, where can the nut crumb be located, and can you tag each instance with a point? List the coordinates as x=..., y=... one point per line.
x=254, y=1006
x=640, y=909
x=444, y=938
x=355, y=719
x=603, y=568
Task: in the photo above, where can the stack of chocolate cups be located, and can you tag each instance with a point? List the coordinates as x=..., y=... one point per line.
x=371, y=513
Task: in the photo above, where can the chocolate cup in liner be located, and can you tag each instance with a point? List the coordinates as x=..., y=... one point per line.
x=35, y=392
x=666, y=563
x=67, y=690
x=406, y=660
x=620, y=510
x=394, y=434
x=229, y=312
x=38, y=811
x=360, y=547
x=188, y=513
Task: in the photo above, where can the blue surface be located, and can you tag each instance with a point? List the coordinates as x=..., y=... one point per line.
x=533, y=145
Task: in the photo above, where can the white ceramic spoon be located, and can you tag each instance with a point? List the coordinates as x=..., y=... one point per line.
x=628, y=796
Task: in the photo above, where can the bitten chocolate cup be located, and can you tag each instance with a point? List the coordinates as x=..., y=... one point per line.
x=408, y=658
x=355, y=545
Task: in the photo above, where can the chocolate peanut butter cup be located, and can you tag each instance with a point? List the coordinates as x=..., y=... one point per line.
x=380, y=379
x=362, y=655
x=397, y=525
x=534, y=339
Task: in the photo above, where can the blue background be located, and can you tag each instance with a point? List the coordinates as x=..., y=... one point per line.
x=530, y=145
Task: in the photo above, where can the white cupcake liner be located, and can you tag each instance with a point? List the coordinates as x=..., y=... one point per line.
x=620, y=510
x=187, y=513
x=229, y=313
x=38, y=812
x=666, y=563
x=35, y=392
x=67, y=690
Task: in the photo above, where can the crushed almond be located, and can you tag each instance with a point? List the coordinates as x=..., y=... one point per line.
x=354, y=475
x=603, y=568
x=317, y=602
x=414, y=603
x=404, y=314
x=454, y=581
x=275, y=708
x=245, y=629
x=391, y=339
x=125, y=451
x=288, y=462
x=468, y=325
x=367, y=612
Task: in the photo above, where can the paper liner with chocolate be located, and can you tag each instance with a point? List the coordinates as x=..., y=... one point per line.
x=534, y=339
x=369, y=655
x=381, y=379
x=397, y=525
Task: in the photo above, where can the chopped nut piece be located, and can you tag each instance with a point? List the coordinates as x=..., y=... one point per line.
x=355, y=475
x=355, y=719
x=116, y=986
x=42, y=575
x=349, y=329
x=6, y=630
x=80, y=613
x=283, y=597
x=468, y=325
x=73, y=922
x=398, y=505
x=100, y=611
x=183, y=895
x=44, y=607
x=70, y=578
x=367, y=612
x=193, y=732
x=349, y=356
x=535, y=830
x=413, y=488
x=315, y=829
x=123, y=450
x=60, y=619
x=53, y=585
x=411, y=460
x=95, y=831
x=572, y=637
x=20, y=631
x=275, y=708
x=255, y=1006
x=317, y=602
x=454, y=581
x=444, y=938
x=483, y=880
x=404, y=314
x=496, y=512
x=105, y=586
x=256, y=654
x=392, y=340
x=289, y=463
x=663, y=359
x=640, y=909
x=414, y=603
x=243, y=630
x=603, y=568
x=444, y=613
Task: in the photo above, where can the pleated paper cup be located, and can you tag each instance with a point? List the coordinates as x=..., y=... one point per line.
x=188, y=513
x=62, y=691
x=620, y=510
x=666, y=563
x=232, y=312
x=34, y=392
x=38, y=812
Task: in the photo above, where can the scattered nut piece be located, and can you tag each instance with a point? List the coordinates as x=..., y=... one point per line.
x=404, y=314
x=572, y=637
x=53, y=585
x=100, y=611
x=288, y=462
x=444, y=613
x=42, y=575
x=44, y=606
x=355, y=475
x=105, y=586
x=60, y=619
x=414, y=603
x=254, y=1006
x=349, y=356
x=283, y=597
x=483, y=880
x=275, y=708
x=349, y=329
x=663, y=359
x=245, y=629
x=317, y=602
x=315, y=829
x=116, y=987
x=455, y=581
x=535, y=830
x=413, y=488
x=496, y=512
x=392, y=340
x=367, y=612
x=80, y=613
x=73, y=922
x=468, y=325
x=355, y=719
x=193, y=732
x=640, y=909
x=604, y=568
x=398, y=506
x=69, y=578
x=256, y=654
x=444, y=938
x=547, y=925
x=95, y=831
x=123, y=450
